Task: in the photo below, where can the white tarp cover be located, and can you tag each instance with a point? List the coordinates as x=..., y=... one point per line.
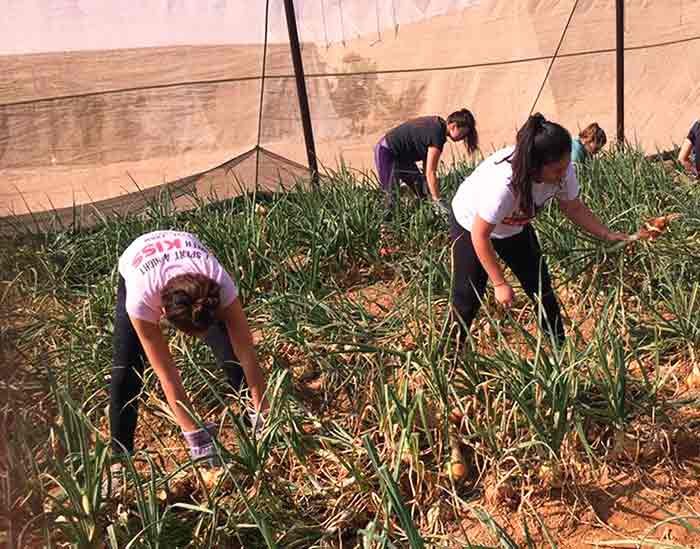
x=99, y=98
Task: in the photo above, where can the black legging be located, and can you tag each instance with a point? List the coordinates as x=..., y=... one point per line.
x=523, y=256
x=128, y=360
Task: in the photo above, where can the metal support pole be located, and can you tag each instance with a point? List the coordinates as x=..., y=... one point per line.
x=620, y=54
x=301, y=89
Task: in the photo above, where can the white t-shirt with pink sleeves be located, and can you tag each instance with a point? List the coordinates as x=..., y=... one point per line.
x=488, y=193
x=154, y=258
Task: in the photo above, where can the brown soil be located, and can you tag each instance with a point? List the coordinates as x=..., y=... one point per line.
x=626, y=505
x=631, y=497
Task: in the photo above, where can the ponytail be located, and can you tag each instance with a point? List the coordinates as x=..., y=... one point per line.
x=465, y=120
x=537, y=143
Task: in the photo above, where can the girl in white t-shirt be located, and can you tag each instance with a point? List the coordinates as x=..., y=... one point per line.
x=492, y=211
x=173, y=275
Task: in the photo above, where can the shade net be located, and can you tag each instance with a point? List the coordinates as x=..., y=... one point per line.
x=104, y=105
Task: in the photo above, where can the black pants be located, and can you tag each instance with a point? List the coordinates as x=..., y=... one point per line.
x=128, y=361
x=523, y=256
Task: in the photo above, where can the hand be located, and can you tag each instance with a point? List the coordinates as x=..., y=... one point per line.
x=689, y=167
x=504, y=294
x=441, y=208
x=201, y=444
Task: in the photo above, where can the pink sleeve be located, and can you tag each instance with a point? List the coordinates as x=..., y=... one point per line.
x=137, y=308
x=229, y=291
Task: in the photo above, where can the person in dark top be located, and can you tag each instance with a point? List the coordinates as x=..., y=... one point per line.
x=690, y=147
x=420, y=140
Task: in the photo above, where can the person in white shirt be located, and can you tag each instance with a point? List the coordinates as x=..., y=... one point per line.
x=492, y=211
x=171, y=274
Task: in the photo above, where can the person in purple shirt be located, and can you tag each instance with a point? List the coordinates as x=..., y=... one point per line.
x=420, y=140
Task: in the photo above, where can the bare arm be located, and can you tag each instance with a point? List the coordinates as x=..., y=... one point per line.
x=242, y=342
x=431, y=165
x=481, y=239
x=582, y=216
x=158, y=354
x=684, y=155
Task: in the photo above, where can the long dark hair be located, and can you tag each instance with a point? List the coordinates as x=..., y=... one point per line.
x=464, y=119
x=190, y=302
x=537, y=143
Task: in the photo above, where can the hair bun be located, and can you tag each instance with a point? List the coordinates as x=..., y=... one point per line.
x=538, y=119
x=201, y=315
x=181, y=299
x=203, y=309
x=213, y=298
x=190, y=301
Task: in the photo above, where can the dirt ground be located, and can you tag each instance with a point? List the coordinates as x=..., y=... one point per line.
x=644, y=495
x=648, y=495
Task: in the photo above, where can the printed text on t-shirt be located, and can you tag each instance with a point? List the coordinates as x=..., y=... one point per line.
x=166, y=245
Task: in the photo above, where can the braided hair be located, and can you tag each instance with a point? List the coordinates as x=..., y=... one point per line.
x=190, y=302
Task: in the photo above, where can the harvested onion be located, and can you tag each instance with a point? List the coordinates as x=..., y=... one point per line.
x=693, y=379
